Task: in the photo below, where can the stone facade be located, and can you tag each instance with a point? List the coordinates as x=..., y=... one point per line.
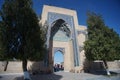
x=73, y=45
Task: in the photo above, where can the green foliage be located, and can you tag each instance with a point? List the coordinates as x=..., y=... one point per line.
x=103, y=43
x=22, y=36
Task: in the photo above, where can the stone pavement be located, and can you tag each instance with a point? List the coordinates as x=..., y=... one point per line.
x=11, y=76
x=58, y=76
x=62, y=76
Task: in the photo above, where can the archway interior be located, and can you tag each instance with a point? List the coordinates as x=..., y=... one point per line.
x=60, y=25
x=58, y=61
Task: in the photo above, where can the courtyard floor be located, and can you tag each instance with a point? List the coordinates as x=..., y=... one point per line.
x=58, y=76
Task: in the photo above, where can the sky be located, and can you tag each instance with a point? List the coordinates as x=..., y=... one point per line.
x=109, y=9
x=58, y=57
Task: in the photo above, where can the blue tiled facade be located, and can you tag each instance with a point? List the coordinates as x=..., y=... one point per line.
x=60, y=36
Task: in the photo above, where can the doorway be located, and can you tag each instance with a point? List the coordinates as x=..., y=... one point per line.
x=58, y=61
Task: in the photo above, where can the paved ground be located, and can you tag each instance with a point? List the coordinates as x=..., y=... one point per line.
x=58, y=76
x=11, y=76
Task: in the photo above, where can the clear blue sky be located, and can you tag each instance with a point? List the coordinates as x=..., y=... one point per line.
x=109, y=9
x=58, y=57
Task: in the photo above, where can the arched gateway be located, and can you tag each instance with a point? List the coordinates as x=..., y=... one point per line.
x=65, y=35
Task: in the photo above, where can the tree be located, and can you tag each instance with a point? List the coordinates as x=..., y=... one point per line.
x=103, y=42
x=21, y=35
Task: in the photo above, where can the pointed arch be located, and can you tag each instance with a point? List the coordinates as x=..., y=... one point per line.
x=60, y=24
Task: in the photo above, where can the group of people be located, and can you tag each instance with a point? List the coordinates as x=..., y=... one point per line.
x=58, y=67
